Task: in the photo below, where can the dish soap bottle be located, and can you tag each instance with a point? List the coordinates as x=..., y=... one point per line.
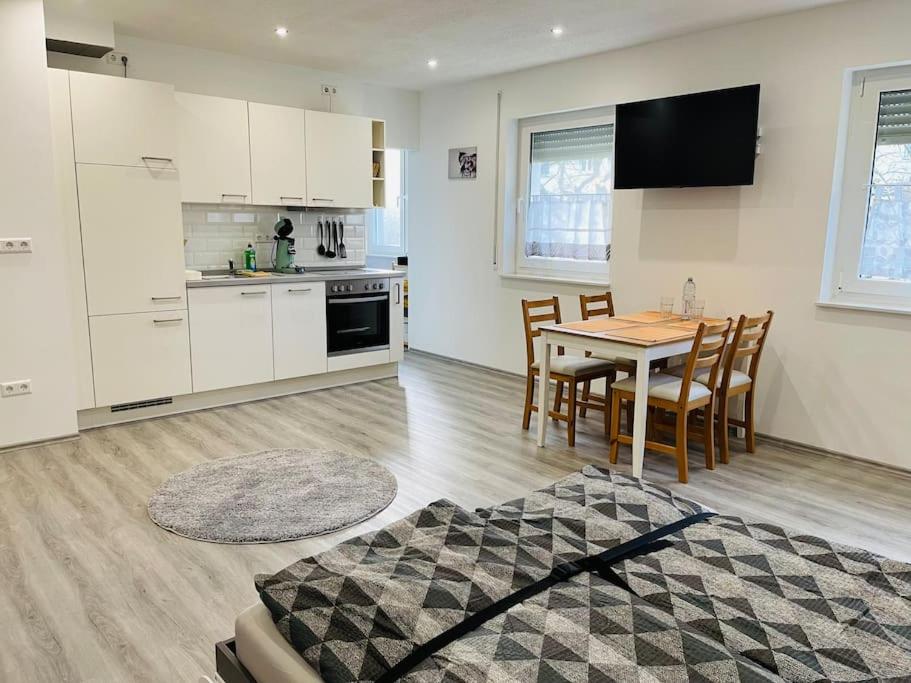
x=689, y=298
x=250, y=258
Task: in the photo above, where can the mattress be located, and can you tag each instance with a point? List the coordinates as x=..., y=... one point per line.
x=265, y=653
x=598, y=577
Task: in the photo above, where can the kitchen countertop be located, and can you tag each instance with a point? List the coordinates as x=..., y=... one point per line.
x=311, y=276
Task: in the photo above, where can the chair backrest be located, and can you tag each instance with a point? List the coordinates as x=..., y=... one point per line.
x=749, y=339
x=596, y=305
x=708, y=350
x=533, y=319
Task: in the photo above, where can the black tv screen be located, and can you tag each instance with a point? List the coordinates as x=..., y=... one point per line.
x=699, y=140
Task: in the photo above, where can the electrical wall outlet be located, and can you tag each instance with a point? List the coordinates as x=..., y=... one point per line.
x=114, y=57
x=15, y=245
x=17, y=388
x=328, y=90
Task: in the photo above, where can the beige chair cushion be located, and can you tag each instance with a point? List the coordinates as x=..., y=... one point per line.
x=576, y=365
x=664, y=386
x=738, y=379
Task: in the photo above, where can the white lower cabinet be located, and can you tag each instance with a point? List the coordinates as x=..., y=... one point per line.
x=140, y=356
x=299, y=329
x=230, y=336
x=396, y=320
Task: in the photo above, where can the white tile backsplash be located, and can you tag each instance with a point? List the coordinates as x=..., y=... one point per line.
x=214, y=234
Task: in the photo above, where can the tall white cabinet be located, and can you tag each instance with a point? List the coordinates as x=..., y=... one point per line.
x=214, y=144
x=339, y=160
x=125, y=156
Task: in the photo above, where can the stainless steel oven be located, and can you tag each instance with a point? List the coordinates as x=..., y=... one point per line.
x=357, y=315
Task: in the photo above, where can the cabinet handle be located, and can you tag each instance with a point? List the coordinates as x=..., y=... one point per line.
x=168, y=320
x=167, y=298
x=226, y=194
x=167, y=159
x=398, y=292
x=353, y=330
x=292, y=291
x=300, y=199
x=252, y=293
x=321, y=199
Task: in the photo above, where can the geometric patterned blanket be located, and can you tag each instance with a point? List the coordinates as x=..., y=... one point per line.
x=724, y=600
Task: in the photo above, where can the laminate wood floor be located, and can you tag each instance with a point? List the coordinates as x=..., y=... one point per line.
x=92, y=590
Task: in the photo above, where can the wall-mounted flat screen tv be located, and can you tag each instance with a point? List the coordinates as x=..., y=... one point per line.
x=699, y=140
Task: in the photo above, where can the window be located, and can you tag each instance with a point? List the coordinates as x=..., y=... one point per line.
x=387, y=234
x=871, y=263
x=566, y=179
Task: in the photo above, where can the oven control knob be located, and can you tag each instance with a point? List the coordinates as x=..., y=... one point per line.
x=350, y=288
x=366, y=286
x=334, y=288
x=381, y=285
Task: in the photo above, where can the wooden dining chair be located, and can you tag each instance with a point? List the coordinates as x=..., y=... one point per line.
x=599, y=305
x=568, y=370
x=748, y=342
x=678, y=395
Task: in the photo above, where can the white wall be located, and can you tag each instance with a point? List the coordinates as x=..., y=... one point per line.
x=831, y=379
x=35, y=336
x=216, y=73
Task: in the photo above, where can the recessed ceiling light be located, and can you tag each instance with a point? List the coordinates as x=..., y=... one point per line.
x=281, y=31
x=432, y=63
x=557, y=30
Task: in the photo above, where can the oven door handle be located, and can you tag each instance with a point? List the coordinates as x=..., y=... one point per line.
x=353, y=330
x=357, y=300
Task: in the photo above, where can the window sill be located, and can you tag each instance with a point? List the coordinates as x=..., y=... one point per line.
x=558, y=279
x=864, y=306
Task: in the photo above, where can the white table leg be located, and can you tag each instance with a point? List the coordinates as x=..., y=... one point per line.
x=543, y=389
x=640, y=413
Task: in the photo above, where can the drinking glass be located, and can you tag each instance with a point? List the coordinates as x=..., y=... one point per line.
x=667, y=306
x=698, y=309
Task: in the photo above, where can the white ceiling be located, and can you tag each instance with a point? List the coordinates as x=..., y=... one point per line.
x=390, y=41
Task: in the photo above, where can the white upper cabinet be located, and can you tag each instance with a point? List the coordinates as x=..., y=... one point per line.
x=277, y=156
x=123, y=121
x=299, y=329
x=132, y=239
x=214, y=136
x=339, y=160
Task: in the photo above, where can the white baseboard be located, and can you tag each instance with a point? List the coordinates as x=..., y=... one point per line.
x=101, y=417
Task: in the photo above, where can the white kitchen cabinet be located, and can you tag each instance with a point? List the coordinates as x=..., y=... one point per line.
x=231, y=336
x=214, y=149
x=123, y=121
x=277, y=155
x=140, y=357
x=299, y=329
x=339, y=160
x=132, y=239
x=65, y=177
x=396, y=320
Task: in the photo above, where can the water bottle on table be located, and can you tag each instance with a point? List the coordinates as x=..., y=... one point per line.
x=689, y=298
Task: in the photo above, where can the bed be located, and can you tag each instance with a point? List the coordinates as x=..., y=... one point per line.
x=598, y=577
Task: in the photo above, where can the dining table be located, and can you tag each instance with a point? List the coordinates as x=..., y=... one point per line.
x=641, y=337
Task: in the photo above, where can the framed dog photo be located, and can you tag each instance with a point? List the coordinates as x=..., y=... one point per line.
x=463, y=163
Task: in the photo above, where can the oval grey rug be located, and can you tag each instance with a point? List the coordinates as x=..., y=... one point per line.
x=276, y=495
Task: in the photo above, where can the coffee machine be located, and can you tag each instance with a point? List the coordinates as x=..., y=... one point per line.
x=284, y=248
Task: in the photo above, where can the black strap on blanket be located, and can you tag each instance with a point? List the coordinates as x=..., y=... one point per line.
x=600, y=563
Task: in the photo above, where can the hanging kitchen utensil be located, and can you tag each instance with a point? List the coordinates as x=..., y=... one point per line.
x=321, y=250
x=342, y=252
x=330, y=229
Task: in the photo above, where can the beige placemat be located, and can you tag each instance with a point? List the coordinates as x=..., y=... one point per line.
x=651, y=334
x=646, y=317
x=597, y=325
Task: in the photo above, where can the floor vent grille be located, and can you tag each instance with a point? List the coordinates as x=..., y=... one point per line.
x=142, y=404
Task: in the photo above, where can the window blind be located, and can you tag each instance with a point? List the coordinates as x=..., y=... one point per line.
x=894, y=122
x=569, y=144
